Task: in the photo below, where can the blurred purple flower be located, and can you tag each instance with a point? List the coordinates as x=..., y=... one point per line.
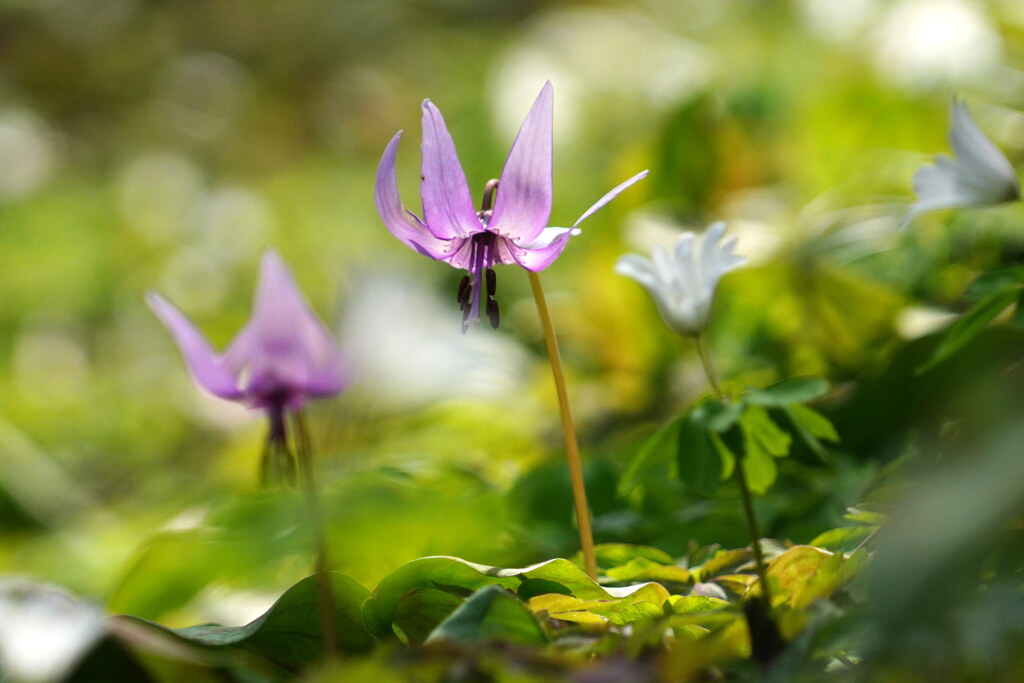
x=452, y=230
x=281, y=358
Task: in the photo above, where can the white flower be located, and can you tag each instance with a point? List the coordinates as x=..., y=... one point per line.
x=43, y=631
x=683, y=283
x=979, y=175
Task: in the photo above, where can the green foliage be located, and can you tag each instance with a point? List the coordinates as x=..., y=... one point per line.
x=289, y=633
x=551, y=607
x=707, y=439
x=999, y=295
x=460, y=578
x=163, y=145
x=699, y=466
x=490, y=614
x=788, y=392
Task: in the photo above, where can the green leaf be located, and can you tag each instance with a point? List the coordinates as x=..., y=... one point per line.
x=863, y=515
x=844, y=538
x=720, y=561
x=638, y=604
x=618, y=554
x=794, y=569
x=289, y=632
x=700, y=467
x=659, y=449
x=701, y=613
x=695, y=604
x=109, y=660
x=816, y=424
x=459, y=577
x=834, y=575
x=690, y=438
x=491, y=614
x=971, y=323
x=421, y=610
x=811, y=426
x=995, y=280
x=642, y=569
x=637, y=612
x=792, y=390
x=760, y=433
x=720, y=416
x=1017, y=320
x=760, y=470
x=725, y=453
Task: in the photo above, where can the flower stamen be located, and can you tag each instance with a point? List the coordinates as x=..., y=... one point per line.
x=277, y=466
x=482, y=281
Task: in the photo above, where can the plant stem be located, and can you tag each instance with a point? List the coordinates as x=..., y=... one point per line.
x=572, y=449
x=753, y=529
x=704, y=351
x=307, y=476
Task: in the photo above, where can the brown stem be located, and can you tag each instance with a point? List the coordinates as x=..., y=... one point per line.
x=572, y=449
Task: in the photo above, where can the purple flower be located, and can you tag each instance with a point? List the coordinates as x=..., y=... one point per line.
x=281, y=358
x=452, y=230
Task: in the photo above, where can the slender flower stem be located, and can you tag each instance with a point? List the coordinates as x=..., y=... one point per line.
x=572, y=449
x=704, y=351
x=753, y=528
x=307, y=476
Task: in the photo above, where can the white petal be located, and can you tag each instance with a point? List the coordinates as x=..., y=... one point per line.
x=638, y=268
x=982, y=164
x=683, y=284
x=546, y=237
x=979, y=175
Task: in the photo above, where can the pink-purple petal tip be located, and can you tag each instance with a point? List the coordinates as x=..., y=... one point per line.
x=523, y=205
x=207, y=368
x=610, y=195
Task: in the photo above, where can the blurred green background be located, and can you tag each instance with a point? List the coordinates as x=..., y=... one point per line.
x=165, y=145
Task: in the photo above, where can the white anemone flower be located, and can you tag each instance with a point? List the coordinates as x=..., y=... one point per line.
x=683, y=283
x=979, y=175
x=44, y=632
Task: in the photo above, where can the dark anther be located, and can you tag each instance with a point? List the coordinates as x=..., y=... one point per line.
x=464, y=290
x=492, y=312
x=492, y=282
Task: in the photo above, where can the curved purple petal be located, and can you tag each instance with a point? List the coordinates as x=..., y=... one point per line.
x=546, y=237
x=447, y=204
x=523, y=204
x=236, y=356
x=398, y=220
x=208, y=370
x=292, y=355
x=463, y=254
x=538, y=258
x=610, y=195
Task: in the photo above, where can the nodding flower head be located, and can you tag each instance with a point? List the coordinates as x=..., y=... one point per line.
x=511, y=224
x=683, y=283
x=979, y=175
x=281, y=358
